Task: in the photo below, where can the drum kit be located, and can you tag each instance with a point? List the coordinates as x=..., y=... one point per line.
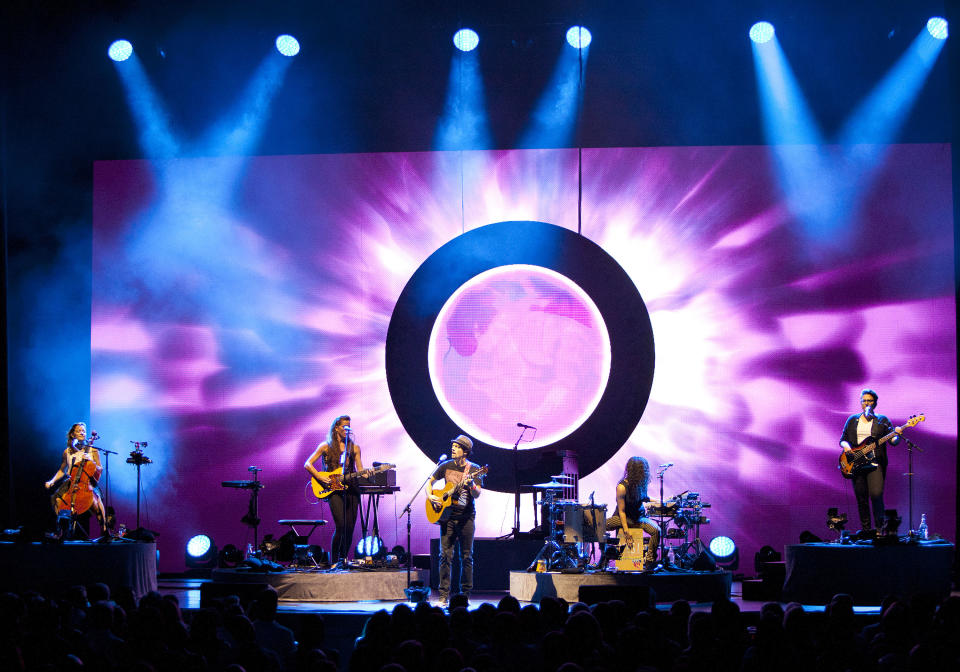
x=685, y=511
x=567, y=525
x=570, y=526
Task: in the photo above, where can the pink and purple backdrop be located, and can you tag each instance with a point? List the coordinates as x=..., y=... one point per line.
x=240, y=304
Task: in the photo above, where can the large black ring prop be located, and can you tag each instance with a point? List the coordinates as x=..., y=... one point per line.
x=537, y=244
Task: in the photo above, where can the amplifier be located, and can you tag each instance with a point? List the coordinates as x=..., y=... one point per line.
x=386, y=478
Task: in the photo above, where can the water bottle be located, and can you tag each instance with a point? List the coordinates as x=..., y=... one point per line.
x=923, y=531
x=670, y=556
x=250, y=553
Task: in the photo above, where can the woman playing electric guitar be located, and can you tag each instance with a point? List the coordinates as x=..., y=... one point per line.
x=339, y=451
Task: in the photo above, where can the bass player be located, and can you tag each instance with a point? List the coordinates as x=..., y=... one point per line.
x=868, y=482
x=339, y=451
x=457, y=526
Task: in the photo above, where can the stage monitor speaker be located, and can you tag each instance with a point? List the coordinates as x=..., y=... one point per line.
x=636, y=598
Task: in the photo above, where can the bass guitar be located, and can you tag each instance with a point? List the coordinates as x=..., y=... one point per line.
x=449, y=493
x=863, y=458
x=339, y=482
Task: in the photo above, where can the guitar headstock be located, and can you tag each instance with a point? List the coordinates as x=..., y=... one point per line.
x=916, y=419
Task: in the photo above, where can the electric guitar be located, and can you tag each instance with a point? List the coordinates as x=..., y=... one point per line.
x=863, y=458
x=449, y=493
x=339, y=482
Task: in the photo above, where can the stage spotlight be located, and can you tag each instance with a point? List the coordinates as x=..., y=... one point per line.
x=201, y=552
x=725, y=553
x=121, y=50
x=761, y=32
x=579, y=37
x=466, y=39
x=371, y=547
x=938, y=28
x=288, y=45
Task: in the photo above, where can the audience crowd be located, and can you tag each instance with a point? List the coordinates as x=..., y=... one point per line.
x=90, y=629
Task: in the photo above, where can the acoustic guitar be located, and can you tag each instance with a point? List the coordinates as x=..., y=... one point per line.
x=863, y=458
x=339, y=482
x=449, y=493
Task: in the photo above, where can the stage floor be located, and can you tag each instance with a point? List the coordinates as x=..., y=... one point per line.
x=187, y=591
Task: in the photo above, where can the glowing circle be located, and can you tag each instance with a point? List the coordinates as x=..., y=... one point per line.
x=722, y=547
x=288, y=45
x=938, y=27
x=120, y=50
x=519, y=343
x=579, y=37
x=198, y=545
x=466, y=39
x=761, y=32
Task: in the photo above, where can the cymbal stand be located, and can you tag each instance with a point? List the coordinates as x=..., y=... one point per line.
x=139, y=459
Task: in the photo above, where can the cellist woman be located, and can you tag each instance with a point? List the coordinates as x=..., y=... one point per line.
x=78, y=451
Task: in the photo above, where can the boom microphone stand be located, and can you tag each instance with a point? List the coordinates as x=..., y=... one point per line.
x=407, y=510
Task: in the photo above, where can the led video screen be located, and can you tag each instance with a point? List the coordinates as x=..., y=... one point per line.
x=241, y=304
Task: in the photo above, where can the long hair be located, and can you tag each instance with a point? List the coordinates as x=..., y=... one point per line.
x=636, y=476
x=333, y=441
x=70, y=436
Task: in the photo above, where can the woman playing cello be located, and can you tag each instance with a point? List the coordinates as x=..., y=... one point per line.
x=78, y=492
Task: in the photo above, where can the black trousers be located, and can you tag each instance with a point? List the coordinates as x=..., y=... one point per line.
x=344, y=506
x=868, y=489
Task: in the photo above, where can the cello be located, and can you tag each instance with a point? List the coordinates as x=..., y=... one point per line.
x=77, y=495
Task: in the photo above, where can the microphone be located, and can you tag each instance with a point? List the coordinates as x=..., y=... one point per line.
x=94, y=435
x=442, y=457
x=346, y=428
x=668, y=464
x=520, y=424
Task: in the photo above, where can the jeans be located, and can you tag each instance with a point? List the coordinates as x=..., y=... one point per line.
x=452, y=531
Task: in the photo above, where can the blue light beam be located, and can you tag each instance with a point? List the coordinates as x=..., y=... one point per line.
x=804, y=167
x=464, y=123
x=555, y=116
x=155, y=135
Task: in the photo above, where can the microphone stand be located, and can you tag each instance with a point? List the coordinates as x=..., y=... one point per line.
x=408, y=511
x=515, y=532
x=106, y=491
x=911, y=446
x=663, y=536
x=138, y=459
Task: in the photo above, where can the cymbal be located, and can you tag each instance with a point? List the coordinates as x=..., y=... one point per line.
x=550, y=485
x=562, y=477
